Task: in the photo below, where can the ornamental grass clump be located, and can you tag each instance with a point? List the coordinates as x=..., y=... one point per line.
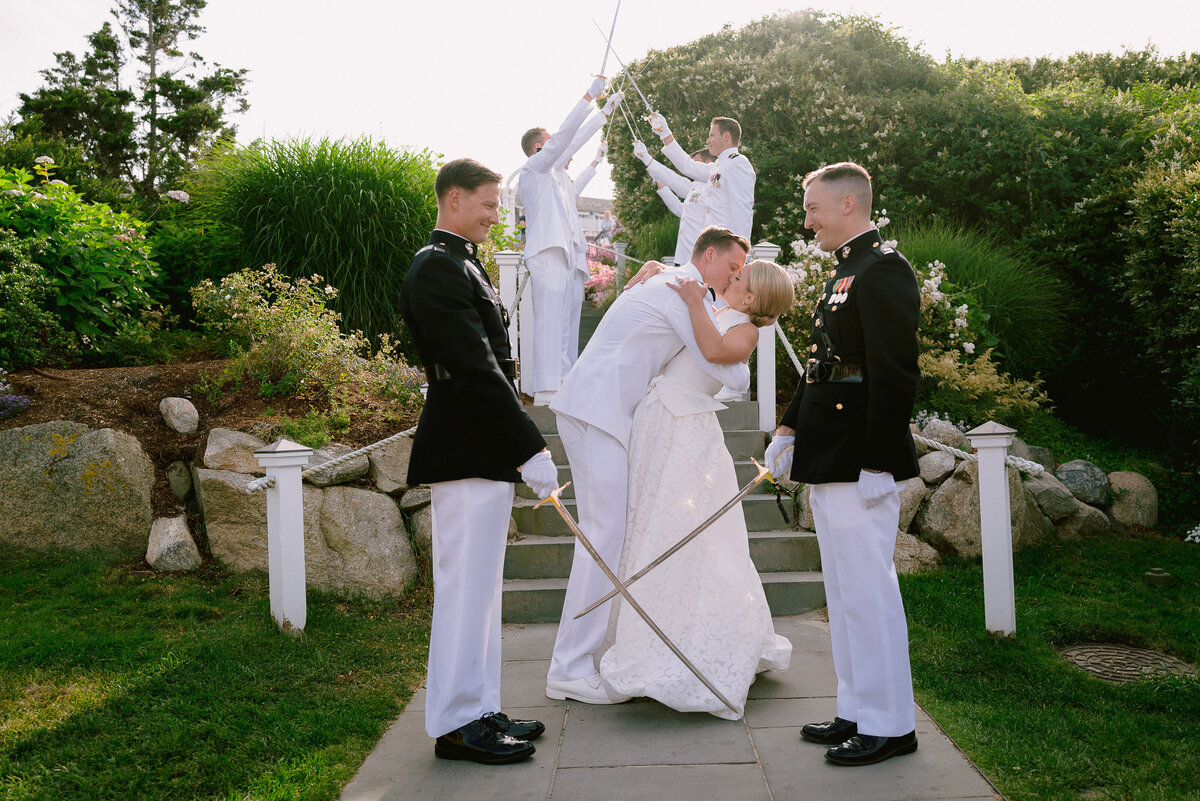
x=352, y=211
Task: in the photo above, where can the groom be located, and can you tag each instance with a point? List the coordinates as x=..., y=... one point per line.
x=639, y=334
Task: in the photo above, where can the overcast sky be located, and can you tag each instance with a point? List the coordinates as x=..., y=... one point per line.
x=467, y=77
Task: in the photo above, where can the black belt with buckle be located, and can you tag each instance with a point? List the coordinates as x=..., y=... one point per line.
x=819, y=372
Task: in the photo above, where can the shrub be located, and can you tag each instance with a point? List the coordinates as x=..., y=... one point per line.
x=30, y=333
x=975, y=391
x=188, y=247
x=353, y=211
x=654, y=240
x=97, y=260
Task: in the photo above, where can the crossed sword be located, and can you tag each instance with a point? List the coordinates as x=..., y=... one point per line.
x=623, y=588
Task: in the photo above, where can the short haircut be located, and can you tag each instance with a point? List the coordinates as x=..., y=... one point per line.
x=773, y=291
x=704, y=155
x=714, y=236
x=730, y=126
x=853, y=179
x=530, y=140
x=466, y=174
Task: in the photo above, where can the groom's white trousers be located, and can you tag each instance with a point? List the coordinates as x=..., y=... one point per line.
x=470, y=530
x=866, y=614
x=600, y=475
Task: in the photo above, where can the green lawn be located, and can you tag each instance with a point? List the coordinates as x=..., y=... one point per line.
x=118, y=683
x=1038, y=727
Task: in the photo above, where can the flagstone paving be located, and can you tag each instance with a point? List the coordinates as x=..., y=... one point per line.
x=642, y=749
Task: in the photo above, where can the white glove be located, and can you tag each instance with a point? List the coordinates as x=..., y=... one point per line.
x=874, y=487
x=778, y=462
x=601, y=152
x=540, y=474
x=659, y=125
x=639, y=150
x=597, y=87
x=613, y=102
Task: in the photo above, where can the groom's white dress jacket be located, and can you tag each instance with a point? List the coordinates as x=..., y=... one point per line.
x=639, y=334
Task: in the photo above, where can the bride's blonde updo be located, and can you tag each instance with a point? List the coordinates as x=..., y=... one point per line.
x=772, y=289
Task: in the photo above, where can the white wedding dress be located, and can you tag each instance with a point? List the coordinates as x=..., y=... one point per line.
x=707, y=597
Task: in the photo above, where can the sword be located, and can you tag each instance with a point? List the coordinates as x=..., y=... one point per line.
x=612, y=30
x=583, y=540
x=742, y=493
x=627, y=72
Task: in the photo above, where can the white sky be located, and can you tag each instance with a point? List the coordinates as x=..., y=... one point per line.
x=468, y=77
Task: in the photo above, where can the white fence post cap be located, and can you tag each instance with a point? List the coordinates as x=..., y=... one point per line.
x=991, y=433
x=283, y=453
x=766, y=250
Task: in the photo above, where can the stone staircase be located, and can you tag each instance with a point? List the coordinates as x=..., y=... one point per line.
x=537, y=564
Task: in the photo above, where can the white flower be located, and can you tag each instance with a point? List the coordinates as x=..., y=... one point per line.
x=12, y=193
x=178, y=194
x=960, y=322
x=43, y=160
x=329, y=290
x=57, y=182
x=969, y=347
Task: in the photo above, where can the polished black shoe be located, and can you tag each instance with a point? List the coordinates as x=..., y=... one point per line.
x=482, y=741
x=831, y=732
x=865, y=749
x=519, y=729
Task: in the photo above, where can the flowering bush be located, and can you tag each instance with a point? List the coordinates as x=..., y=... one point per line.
x=600, y=287
x=1193, y=536
x=10, y=405
x=30, y=332
x=97, y=260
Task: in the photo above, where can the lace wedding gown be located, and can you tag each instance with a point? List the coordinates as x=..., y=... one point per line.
x=707, y=597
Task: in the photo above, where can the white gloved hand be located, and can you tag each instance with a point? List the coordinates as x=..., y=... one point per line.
x=613, y=102
x=540, y=474
x=597, y=86
x=778, y=462
x=639, y=150
x=601, y=152
x=659, y=125
x=874, y=487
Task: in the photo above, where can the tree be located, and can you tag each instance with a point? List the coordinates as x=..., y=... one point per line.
x=146, y=138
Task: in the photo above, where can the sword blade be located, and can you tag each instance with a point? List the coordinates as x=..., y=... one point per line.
x=583, y=540
x=717, y=515
x=611, y=31
x=627, y=72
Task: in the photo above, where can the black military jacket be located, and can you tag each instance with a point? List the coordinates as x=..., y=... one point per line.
x=473, y=424
x=869, y=310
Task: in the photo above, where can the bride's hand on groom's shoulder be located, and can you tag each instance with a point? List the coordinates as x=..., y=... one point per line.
x=691, y=290
x=648, y=271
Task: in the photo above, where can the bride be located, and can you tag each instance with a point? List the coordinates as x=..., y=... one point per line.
x=707, y=597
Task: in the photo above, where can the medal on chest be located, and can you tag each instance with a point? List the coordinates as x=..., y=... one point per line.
x=841, y=290
x=715, y=181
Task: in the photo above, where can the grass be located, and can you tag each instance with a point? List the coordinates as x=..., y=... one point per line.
x=1036, y=726
x=120, y=683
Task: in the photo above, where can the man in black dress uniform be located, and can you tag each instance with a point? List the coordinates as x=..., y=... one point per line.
x=848, y=424
x=473, y=442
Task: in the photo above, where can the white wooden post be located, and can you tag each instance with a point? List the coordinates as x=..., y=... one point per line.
x=509, y=264
x=621, y=278
x=766, y=354
x=991, y=442
x=669, y=261
x=284, y=460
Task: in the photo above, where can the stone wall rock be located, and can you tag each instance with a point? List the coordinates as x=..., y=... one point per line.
x=179, y=414
x=1086, y=481
x=950, y=519
x=911, y=498
x=1043, y=456
x=921, y=447
x=344, y=473
x=1088, y=521
x=936, y=466
x=179, y=477
x=389, y=466
x=171, y=547
x=912, y=555
x=946, y=433
x=64, y=485
x=232, y=450
x=1135, y=500
x=1052, y=496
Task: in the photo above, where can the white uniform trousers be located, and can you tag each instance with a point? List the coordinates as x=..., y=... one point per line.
x=866, y=614
x=470, y=530
x=572, y=308
x=600, y=475
x=549, y=276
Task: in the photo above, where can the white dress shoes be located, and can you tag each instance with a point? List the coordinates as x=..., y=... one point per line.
x=589, y=689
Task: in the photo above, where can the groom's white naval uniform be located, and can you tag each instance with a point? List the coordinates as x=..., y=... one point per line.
x=647, y=326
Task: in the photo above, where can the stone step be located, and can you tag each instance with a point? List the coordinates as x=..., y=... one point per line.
x=762, y=514
x=742, y=445
x=542, y=557
x=738, y=416
x=541, y=600
x=745, y=472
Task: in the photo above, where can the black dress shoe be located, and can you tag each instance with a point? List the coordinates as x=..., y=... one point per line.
x=831, y=732
x=519, y=729
x=482, y=741
x=865, y=749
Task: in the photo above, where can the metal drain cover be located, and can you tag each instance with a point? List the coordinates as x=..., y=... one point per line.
x=1121, y=663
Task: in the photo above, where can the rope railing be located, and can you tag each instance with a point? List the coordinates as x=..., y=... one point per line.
x=266, y=482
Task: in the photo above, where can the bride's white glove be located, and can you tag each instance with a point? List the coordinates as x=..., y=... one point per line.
x=778, y=462
x=540, y=474
x=874, y=487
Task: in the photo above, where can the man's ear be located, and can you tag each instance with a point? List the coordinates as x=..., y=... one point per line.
x=848, y=204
